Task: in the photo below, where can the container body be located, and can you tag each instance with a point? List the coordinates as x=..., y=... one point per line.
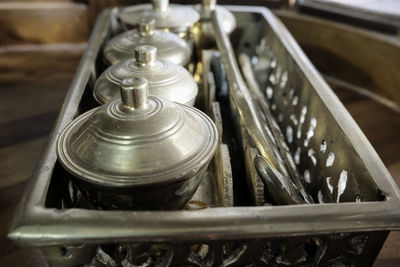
x=164, y=196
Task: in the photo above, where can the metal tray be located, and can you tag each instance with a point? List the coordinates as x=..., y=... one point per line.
x=317, y=126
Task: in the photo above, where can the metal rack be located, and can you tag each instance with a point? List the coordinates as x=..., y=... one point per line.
x=349, y=227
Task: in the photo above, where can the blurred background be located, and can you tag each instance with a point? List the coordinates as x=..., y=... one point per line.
x=355, y=44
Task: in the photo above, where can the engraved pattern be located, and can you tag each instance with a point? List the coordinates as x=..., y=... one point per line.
x=313, y=152
x=165, y=79
x=169, y=46
x=279, y=252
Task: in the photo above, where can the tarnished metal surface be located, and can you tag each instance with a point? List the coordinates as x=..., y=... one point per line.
x=170, y=47
x=208, y=6
x=336, y=161
x=203, y=30
x=166, y=79
x=248, y=112
x=310, y=136
x=171, y=17
x=139, y=152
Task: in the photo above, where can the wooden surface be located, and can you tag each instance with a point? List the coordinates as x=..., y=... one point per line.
x=40, y=47
x=364, y=58
x=38, y=23
x=28, y=108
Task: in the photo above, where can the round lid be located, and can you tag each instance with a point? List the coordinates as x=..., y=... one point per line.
x=169, y=46
x=228, y=19
x=138, y=140
x=176, y=18
x=166, y=79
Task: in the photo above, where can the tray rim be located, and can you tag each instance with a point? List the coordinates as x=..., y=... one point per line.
x=35, y=225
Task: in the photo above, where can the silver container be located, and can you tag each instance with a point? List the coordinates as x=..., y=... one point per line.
x=166, y=79
x=170, y=47
x=139, y=152
x=170, y=17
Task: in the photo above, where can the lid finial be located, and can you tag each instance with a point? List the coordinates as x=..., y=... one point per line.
x=145, y=54
x=134, y=93
x=146, y=26
x=209, y=4
x=160, y=5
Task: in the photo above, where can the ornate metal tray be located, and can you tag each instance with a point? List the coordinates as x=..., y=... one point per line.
x=358, y=201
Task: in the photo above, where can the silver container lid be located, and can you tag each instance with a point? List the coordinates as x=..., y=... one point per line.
x=166, y=79
x=138, y=140
x=169, y=46
x=172, y=17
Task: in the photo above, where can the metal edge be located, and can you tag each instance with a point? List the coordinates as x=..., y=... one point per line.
x=81, y=226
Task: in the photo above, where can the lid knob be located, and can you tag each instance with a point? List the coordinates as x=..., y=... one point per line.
x=209, y=4
x=146, y=26
x=134, y=93
x=145, y=54
x=160, y=5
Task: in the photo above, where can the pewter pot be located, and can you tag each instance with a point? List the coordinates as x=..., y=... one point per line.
x=169, y=17
x=166, y=79
x=170, y=47
x=139, y=152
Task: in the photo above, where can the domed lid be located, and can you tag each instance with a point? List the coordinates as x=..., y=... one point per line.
x=138, y=140
x=166, y=79
x=175, y=18
x=228, y=19
x=169, y=46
